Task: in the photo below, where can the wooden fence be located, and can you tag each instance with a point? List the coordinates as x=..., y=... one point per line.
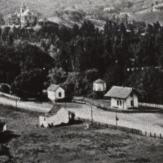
x=103, y=104
x=154, y=106
x=125, y=129
x=8, y=96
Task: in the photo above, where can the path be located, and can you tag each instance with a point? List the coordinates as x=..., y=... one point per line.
x=147, y=122
x=29, y=106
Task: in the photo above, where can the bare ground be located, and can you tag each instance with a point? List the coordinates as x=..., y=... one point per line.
x=75, y=144
x=146, y=122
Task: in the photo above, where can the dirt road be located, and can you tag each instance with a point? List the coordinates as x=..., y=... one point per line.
x=147, y=122
x=29, y=106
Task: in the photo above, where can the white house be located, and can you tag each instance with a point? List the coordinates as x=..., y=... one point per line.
x=122, y=98
x=99, y=85
x=57, y=116
x=55, y=92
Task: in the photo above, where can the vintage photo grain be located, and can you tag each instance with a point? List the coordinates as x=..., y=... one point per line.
x=81, y=81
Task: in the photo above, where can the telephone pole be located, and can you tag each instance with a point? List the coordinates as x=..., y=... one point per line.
x=116, y=119
x=91, y=113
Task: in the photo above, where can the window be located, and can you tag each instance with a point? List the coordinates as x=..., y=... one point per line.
x=119, y=102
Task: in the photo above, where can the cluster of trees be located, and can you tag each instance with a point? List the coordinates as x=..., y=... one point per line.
x=25, y=68
x=49, y=53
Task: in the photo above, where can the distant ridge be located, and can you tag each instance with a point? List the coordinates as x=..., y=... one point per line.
x=138, y=9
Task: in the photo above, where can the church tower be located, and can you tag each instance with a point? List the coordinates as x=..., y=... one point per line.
x=23, y=9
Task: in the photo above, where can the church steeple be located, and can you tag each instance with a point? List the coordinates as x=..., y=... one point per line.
x=23, y=7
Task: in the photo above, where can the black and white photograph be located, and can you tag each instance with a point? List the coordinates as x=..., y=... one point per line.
x=81, y=81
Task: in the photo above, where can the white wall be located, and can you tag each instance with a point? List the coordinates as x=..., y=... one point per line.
x=62, y=116
x=99, y=86
x=43, y=121
x=135, y=100
x=60, y=91
x=125, y=104
x=55, y=95
x=114, y=104
x=51, y=95
x=5, y=128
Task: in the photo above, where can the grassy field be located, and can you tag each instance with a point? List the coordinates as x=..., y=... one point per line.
x=74, y=144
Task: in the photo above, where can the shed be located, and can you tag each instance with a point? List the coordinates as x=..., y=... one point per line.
x=57, y=116
x=55, y=92
x=123, y=98
x=99, y=85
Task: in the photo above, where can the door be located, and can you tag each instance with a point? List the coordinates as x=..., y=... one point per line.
x=132, y=103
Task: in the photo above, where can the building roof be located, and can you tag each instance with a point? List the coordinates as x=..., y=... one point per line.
x=53, y=87
x=54, y=110
x=119, y=92
x=99, y=81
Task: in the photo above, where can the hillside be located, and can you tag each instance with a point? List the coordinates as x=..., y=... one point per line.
x=137, y=9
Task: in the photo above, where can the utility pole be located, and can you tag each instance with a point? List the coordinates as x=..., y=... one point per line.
x=91, y=113
x=116, y=119
x=16, y=103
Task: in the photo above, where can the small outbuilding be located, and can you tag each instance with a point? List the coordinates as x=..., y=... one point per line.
x=57, y=116
x=55, y=92
x=123, y=98
x=99, y=85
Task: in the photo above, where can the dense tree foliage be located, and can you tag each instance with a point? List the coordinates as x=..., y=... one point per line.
x=29, y=83
x=77, y=56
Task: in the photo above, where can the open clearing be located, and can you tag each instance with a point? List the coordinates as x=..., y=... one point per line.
x=75, y=144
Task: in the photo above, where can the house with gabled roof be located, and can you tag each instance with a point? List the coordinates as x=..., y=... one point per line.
x=123, y=98
x=55, y=92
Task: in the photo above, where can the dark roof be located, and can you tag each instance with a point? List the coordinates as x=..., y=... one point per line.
x=53, y=87
x=119, y=92
x=54, y=110
x=99, y=81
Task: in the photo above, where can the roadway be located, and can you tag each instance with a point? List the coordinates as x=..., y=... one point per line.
x=147, y=122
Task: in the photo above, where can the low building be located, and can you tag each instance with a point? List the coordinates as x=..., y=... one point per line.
x=55, y=92
x=99, y=85
x=3, y=127
x=24, y=17
x=123, y=98
x=57, y=116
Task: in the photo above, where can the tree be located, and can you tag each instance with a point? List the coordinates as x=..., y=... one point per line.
x=57, y=75
x=5, y=88
x=29, y=83
x=2, y=21
x=31, y=57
